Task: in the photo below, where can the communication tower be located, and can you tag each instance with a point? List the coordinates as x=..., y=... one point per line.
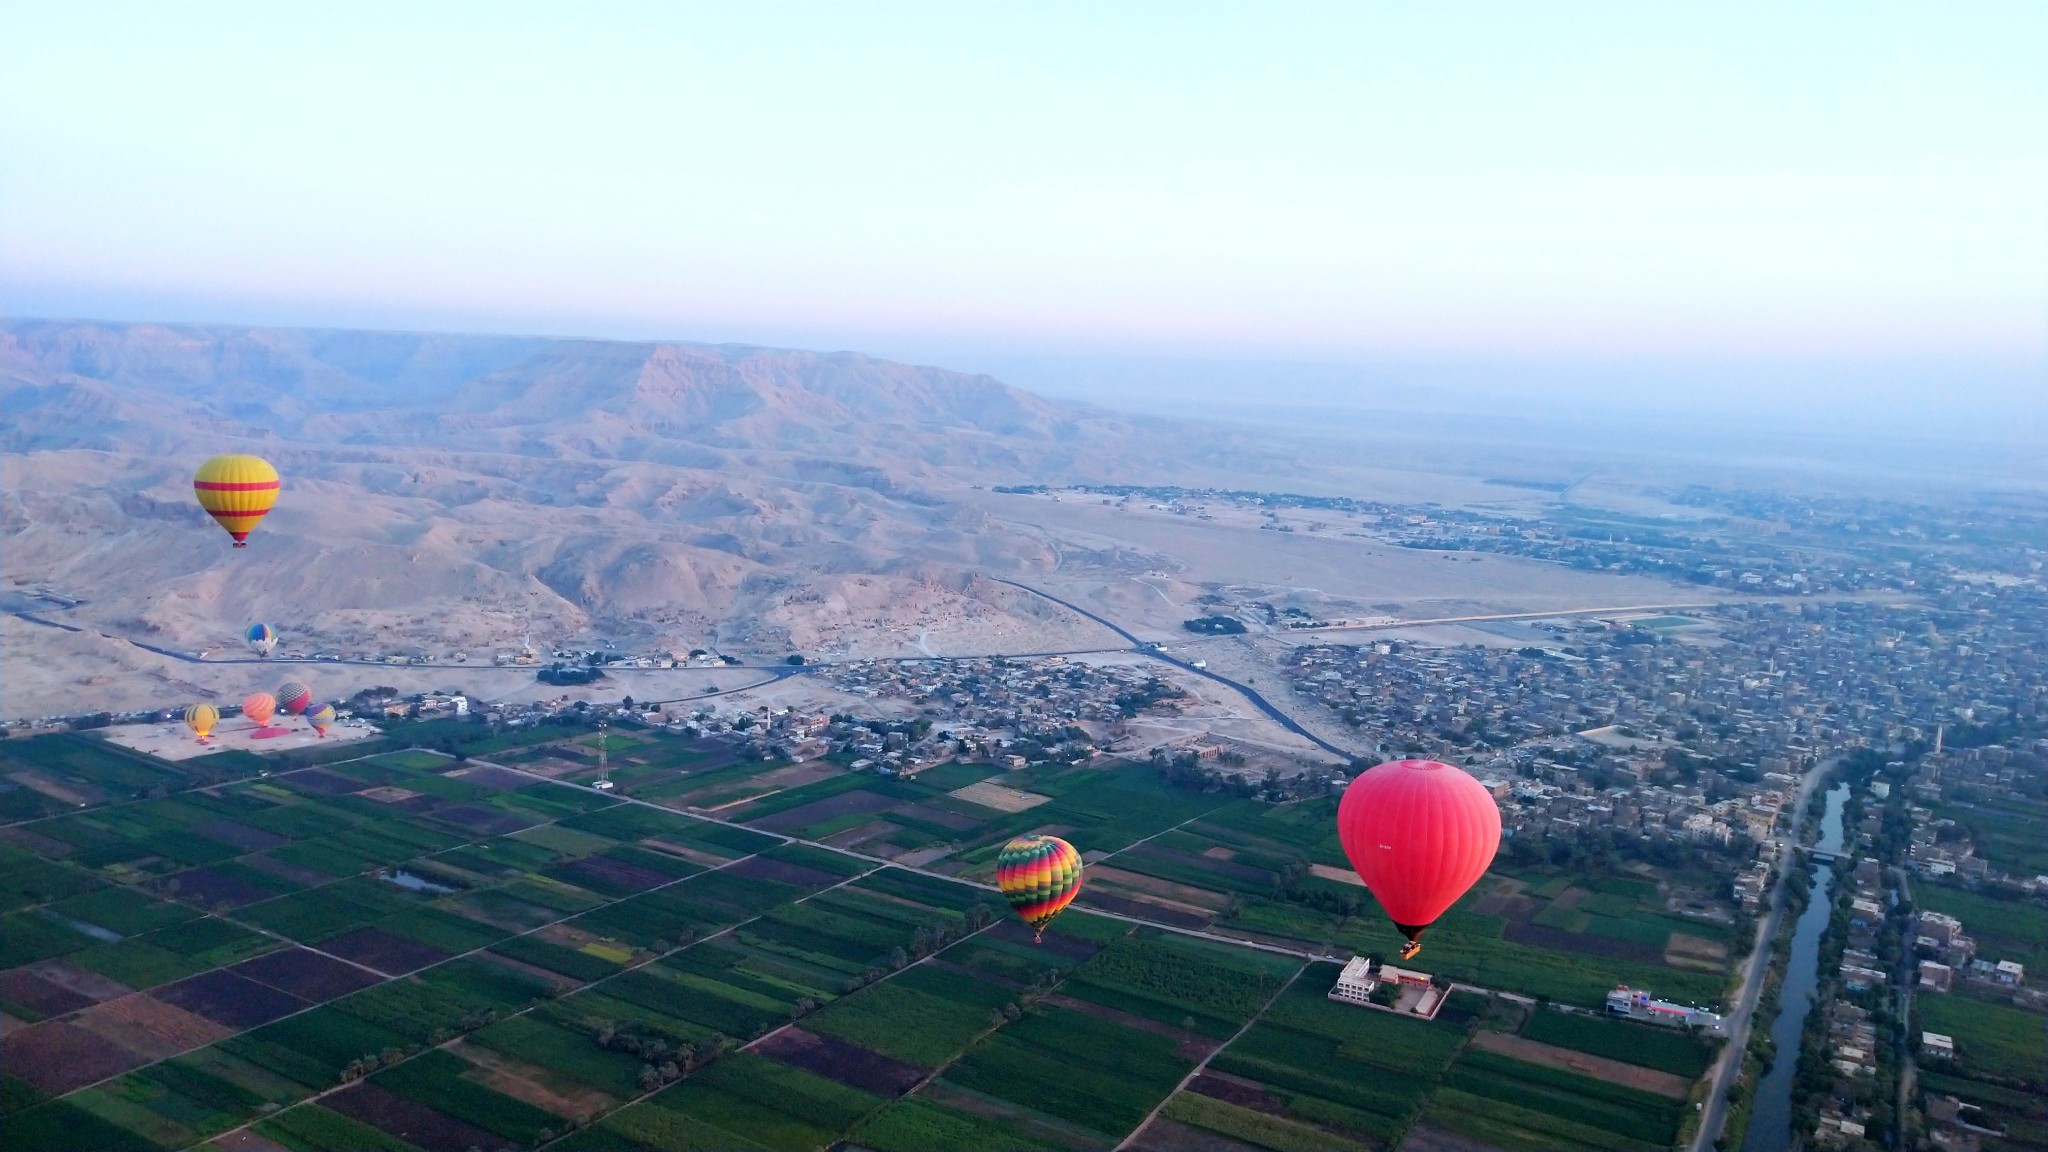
x=604, y=762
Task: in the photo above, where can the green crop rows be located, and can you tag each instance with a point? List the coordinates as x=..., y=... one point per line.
x=520, y=962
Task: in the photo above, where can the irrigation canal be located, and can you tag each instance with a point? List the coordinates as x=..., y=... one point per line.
x=1770, y=1119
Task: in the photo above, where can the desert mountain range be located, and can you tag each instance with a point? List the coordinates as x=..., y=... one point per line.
x=444, y=492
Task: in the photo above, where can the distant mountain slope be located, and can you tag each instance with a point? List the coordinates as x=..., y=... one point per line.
x=84, y=384
x=449, y=491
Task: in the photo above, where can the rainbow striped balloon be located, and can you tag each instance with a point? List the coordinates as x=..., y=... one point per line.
x=1039, y=876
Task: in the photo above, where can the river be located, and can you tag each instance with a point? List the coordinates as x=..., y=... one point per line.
x=1770, y=1119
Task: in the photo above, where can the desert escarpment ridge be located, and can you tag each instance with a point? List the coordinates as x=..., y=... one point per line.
x=450, y=492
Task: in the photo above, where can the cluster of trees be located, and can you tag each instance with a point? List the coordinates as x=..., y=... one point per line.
x=1154, y=690
x=1214, y=625
x=664, y=1058
x=569, y=674
x=925, y=940
x=1606, y=849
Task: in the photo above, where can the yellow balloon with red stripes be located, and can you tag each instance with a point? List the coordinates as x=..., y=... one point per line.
x=237, y=491
x=1039, y=876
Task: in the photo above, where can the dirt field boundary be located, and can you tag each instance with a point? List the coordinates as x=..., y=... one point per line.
x=1584, y=1063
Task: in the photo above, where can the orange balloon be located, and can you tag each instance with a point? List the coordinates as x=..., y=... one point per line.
x=260, y=707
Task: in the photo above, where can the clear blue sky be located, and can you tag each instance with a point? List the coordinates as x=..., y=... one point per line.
x=1333, y=183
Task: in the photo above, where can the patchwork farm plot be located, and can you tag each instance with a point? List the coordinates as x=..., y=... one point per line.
x=47, y=775
x=407, y=950
x=1276, y=875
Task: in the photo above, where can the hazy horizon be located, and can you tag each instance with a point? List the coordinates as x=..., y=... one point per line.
x=1716, y=214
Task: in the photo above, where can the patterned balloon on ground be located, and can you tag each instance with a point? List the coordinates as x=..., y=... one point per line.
x=1419, y=833
x=237, y=491
x=260, y=638
x=321, y=718
x=1039, y=876
x=201, y=718
x=294, y=697
x=260, y=707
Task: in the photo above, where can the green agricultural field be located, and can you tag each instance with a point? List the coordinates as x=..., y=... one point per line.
x=123, y=910
x=1329, y=1070
x=2003, y=929
x=1260, y=1128
x=710, y=1004
x=917, y=1016
x=1470, y=946
x=1174, y=979
x=26, y=937
x=97, y=772
x=1087, y=1071
x=2007, y=831
x=2023, y=1115
x=1667, y=1051
x=770, y=1104
x=1991, y=1039
x=1016, y=961
x=1555, y=1104
x=313, y=1047
x=182, y=1101
x=563, y=1051
x=311, y=1128
x=1348, y=1072
x=928, y=890
x=672, y=954
x=173, y=953
x=915, y=1125
x=60, y=1126
x=555, y=958
x=436, y=1078
x=26, y=880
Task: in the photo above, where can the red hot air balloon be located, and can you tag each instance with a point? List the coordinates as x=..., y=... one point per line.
x=294, y=697
x=1419, y=834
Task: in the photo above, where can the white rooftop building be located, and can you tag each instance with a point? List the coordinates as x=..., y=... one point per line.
x=1356, y=982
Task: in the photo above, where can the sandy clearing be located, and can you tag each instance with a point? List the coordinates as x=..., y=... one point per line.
x=1598, y=1067
x=1181, y=896
x=150, y=1027
x=998, y=797
x=1340, y=875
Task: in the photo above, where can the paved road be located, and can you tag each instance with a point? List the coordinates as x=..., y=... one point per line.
x=1743, y=1015
x=779, y=669
x=1907, y=975
x=1504, y=616
x=1147, y=649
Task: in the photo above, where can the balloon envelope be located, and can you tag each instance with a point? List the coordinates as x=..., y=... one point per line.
x=321, y=718
x=294, y=697
x=260, y=707
x=236, y=491
x=260, y=638
x=1419, y=833
x=1039, y=876
x=201, y=718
